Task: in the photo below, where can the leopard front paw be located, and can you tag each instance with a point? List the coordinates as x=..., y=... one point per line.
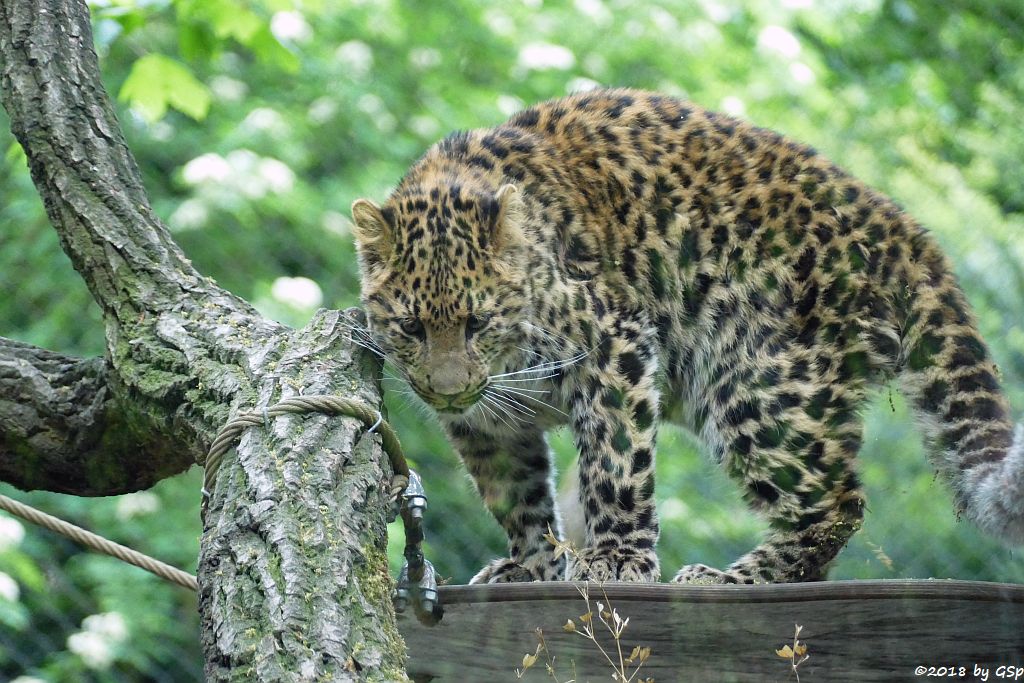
x=615, y=564
x=506, y=570
x=703, y=575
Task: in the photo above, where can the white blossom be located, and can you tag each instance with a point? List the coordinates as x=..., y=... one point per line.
x=595, y=10
x=228, y=89
x=94, y=650
x=9, y=589
x=11, y=532
x=581, y=84
x=673, y=508
x=716, y=11
x=110, y=625
x=322, y=109
x=290, y=26
x=265, y=120
x=336, y=223
x=190, y=215
x=664, y=20
x=277, y=175
x=138, y=503
x=374, y=107
x=97, y=640
x=206, y=168
x=733, y=105
x=242, y=172
x=801, y=73
x=537, y=56
x=356, y=57
x=509, y=104
x=499, y=23
x=424, y=57
x=161, y=131
x=424, y=126
x=779, y=40
x=299, y=292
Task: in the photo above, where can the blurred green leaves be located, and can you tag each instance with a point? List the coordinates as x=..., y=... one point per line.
x=157, y=82
x=205, y=26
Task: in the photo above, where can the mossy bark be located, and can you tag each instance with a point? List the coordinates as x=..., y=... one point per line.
x=293, y=575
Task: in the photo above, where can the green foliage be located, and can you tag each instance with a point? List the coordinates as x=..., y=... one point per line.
x=313, y=105
x=157, y=82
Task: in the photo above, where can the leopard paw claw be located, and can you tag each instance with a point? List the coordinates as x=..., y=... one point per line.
x=504, y=571
x=617, y=564
x=703, y=575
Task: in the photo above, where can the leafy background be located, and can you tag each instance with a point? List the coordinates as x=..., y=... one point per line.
x=256, y=123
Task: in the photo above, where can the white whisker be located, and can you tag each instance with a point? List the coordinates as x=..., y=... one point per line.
x=488, y=412
x=543, y=367
x=511, y=403
x=509, y=390
x=372, y=349
x=498, y=410
x=500, y=385
x=527, y=379
x=567, y=342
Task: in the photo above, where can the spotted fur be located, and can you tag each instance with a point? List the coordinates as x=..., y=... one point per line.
x=617, y=258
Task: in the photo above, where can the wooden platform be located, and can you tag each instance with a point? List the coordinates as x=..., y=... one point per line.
x=854, y=631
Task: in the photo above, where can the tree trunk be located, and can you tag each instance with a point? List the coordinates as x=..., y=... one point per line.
x=293, y=572
x=300, y=516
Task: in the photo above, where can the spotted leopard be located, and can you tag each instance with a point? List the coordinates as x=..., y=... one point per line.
x=617, y=258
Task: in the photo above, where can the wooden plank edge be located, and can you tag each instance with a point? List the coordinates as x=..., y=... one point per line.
x=870, y=589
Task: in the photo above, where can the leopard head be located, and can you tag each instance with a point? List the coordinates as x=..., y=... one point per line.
x=444, y=285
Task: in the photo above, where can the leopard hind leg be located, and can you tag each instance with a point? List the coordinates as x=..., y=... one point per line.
x=788, y=431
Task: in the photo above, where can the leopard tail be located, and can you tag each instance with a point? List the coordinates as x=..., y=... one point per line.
x=953, y=384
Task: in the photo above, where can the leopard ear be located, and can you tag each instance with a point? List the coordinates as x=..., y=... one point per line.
x=374, y=235
x=508, y=224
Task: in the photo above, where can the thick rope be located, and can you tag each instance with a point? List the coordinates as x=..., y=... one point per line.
x=98, y=543
x=317, y=403
x=228, y=434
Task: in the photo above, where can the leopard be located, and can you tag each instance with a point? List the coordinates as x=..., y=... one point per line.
x=618, y=258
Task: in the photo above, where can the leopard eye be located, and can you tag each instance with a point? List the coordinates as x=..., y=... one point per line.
x=412, y=327
x=475, y=323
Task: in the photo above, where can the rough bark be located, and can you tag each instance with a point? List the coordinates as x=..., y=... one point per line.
x=293, y=575
x=62, y=428
x=318, y=503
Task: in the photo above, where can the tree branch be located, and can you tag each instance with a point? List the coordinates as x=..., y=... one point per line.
x=63, y=428
x=81, y=165
x=180, y=348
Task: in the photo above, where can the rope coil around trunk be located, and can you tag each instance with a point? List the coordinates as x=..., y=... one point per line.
x=317, y=403
x=222, y=443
